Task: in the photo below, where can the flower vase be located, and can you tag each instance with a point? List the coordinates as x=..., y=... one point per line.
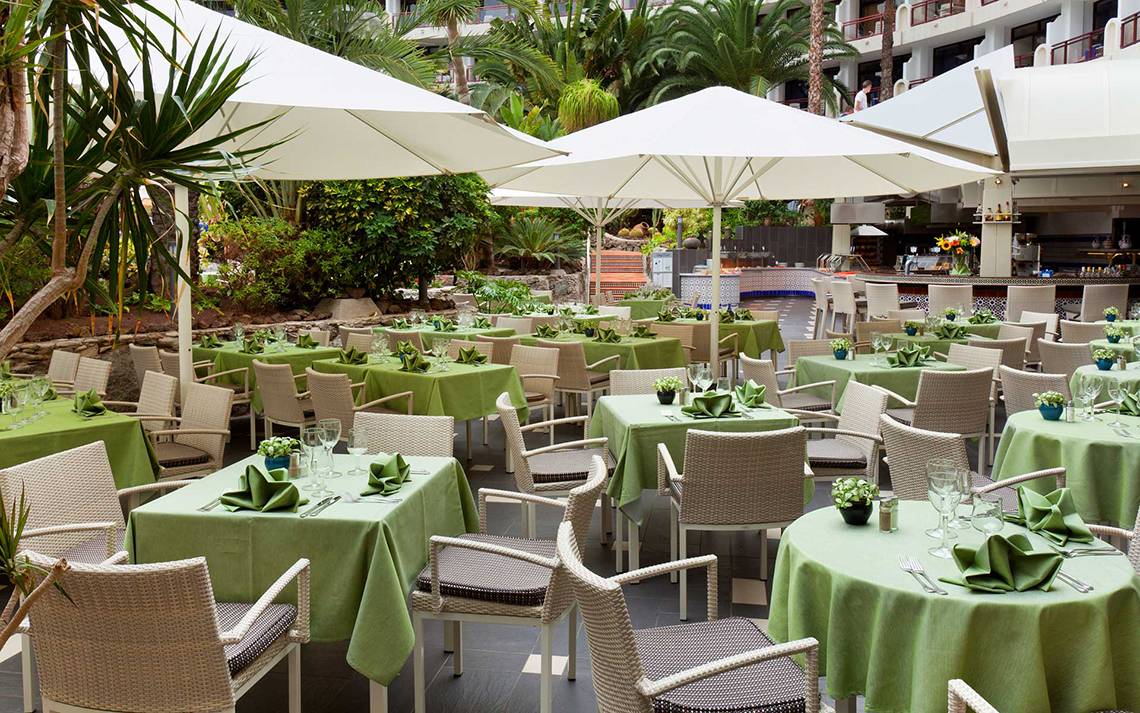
x=1051, y=412
x=1110, y=317
x=1104, y=364
x=275, y=462
x=961, y=266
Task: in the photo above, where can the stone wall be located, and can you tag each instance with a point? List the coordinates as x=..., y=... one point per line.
x=567, y=286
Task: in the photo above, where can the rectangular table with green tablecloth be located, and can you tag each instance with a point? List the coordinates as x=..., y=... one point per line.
x=754, y=337
x=365, y=555
x=862, y=367
x=643, y=308
x=463, y=392
x=429, y=335
x=635, y=352
x=228, y=356
x=132, y=459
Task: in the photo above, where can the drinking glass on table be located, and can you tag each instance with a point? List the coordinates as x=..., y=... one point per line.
x=986, y=513
x=943, y=489
x=357, y=446
x=280, y=336
x=311, y=439
x=723, y=383
x=239, y=332
x=330, y=436
x=379, y=347
x=15, y=405
x=965, y=485
x=941, y=468
x=1116, y=393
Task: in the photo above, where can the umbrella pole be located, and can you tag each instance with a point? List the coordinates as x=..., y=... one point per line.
x=714, y=303
x=185, y=325
x=598, y=263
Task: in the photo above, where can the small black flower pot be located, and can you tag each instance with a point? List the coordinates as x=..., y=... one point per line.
x=666, y=397
x=857, y=514
x=589, y=331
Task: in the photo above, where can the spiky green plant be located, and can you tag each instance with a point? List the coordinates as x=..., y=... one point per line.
x=584, y=103
x=535, y=240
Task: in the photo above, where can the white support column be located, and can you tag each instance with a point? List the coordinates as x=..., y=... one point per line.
x=841, y=239
x=182, y=306
x=997, y=238
x=714, y=317
x=599, y=231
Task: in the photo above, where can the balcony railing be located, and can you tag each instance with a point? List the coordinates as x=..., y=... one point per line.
x=1023, y=60
x=988, y=2
x=1081, y=48
x=915, y=82
x=796, y=103
x=931, y=10
x=863, y=27
x=1130, y=30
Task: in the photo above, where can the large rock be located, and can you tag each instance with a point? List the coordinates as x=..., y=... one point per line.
x=347, y=308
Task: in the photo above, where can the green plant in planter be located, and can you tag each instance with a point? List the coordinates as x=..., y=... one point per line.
x=1113, y=332
x=1049, y=398
x=912, y=327
x=278, y=447
x=1111, y=313
x=851, y=492
x=951, y=313
x=843, y=344
x=669, y=383
x=19, y=575
x=1104, y=358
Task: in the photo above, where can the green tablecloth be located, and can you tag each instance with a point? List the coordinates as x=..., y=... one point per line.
x=229, y=357
x=903, y=380
x=635, y=425
x=1129, y=377
x=1102, y=468
x=635, y=353
x=1124, y=347
x=754, y=336
x=365, y=555
x=983, y=330
x=132, y=458
x=428, y=335
x=463, y=392
x=881, y=636
x=1131, y=326
x=939, y=346
x=643, y=309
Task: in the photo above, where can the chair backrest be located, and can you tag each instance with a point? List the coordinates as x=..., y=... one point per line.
x=62, y=366
x=1041, y=298
x=343, y=333
x=954, y=401
x=320, y=336
x=206, y=406
x=763, y=372
x=1018, y=388
x=70, y=487
x=807, y=347
x=743, y=478
x=1063, y=357
x=161, y=653
x=624, y=382
x=395, y=336
x=904, y=315
x=521, y=325
x=1134, y=547
x=144, y=359
x=1098, y=297
x=858, y=284
x=361, y=341
x=766, y=315
x=156, y=398
x=92, y=374
x=408, y=435
x=1032, y=331
x=939, y=297
x=531, y=361
x=862, y=407
x=882, y=298
x=572, y=373
x=865, y=330
x=975, y=357
x=821, y=288
x=278, y=390
x=462, y=299
x=1012, y=348
x=695, y=299
x=909, y=449
x=1081, y=331
x=615, y=311
x=332, y=397
x=484, y=348
x=843, y=297
x=170, y=363
x=614, y=656
x=683, y=332
x=539, y=294
x=512, y=431
x=1051, y=320
x=501, y=347
x=550, y=320
x=493, y=317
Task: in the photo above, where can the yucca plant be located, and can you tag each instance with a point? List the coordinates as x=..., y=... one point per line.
x=24, y=580
x=584, y=103
x=535, y=240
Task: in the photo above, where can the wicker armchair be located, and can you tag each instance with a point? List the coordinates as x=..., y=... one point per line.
x=501, y=347
x=156, y=398
x=822, y=290
x=715, y=665
x=576, y=377
x=333, y=396
x=320, y=336
x=537, y=367
x=766, y=315
x=198, y=443
x=173, y=649
x=1130, y=539
x=864, y=331
x=505, y=579
x=1051, y=320
x=964, y=699
x=1081, y=331
x=1022, y=298
x=409, y=435
x=551, y=470
x=90, y=374
x=360, y=341
x=484, y=348
x=204, y=374
x=882, y=298
x=62, y=367
x=281, y=403
x=683, y=333
x=624, y=382
x=939, y=297
x=395, y=336
x=1018, y=388
x=728, y=346
x=843, y=304
x=854, y=450
x=343, y=332
x=733, y=481
x=805, y=347
x=904, y=315
x=950, y=402
x=1095, y=298
x=1033, y=331
x=1063, y=357
x=800, y=398
x=521, y=325
x=145, y=359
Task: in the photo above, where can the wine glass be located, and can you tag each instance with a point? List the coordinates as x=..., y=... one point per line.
x=986, y=513
x=330, y=436
x=280, y=337
x=723, y=383
x=1090, y=389
x=965, y=486
x=943, y=489
x=379, y=346
x=239, y=332
x=15, y=407
x=357, y=446
x=418, y=316
x=439, y=349
x=941, y=468
x=1116, y=393
x=695, y=375
x=314, y=448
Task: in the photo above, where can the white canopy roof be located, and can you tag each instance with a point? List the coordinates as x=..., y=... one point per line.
x=583, y=204
x=345, y=120
x=720, y=144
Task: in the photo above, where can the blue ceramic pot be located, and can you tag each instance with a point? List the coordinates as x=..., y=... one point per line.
x=589, y=331
x=272, y=463
x=1104, y=364
x=1114, y=339
x=951, y=317
x=911, y=331
x=840, y=354
x=1051, y=412
x=1110, y=317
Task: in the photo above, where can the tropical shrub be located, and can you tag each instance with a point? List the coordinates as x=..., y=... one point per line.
x=23, y=270
x=535, y=240
x=584, y=103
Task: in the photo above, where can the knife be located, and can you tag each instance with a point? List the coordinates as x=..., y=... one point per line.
x=320, y=506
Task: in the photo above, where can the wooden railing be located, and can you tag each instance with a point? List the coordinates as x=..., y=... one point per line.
x=1077, y=49
x=1130, y=30
x=915, y=82
x=1023, y=60
x=863, y=27
x=931, y=10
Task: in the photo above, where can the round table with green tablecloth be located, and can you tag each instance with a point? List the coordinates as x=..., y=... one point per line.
x=635, y=352
x=1131, y=327
x=1124, y=346
x=882, y=637
x=1130, y=377
x=863, y=368
x=644, y=308
x=1102, y=467
x=229, y=356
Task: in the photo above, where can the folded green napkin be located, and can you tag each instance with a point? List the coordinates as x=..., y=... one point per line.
x=711, y=405
x=50, y=394
x=743, y=313
x=387, y=474
x=401, y=323
x=607, y=336
x=590, y=309
x=908, y=355
x=252, y=345
x=727, y=316
x=264, y=492
x=545, y=331
x=642, y=331
x=1004, y=564
x=352, y=356
x=751, y=395
x=471, y=355
x=403, y=346
x=693, y=313
x=666, y=315
x=306, y=341
x=1130, y=405
x=209, y=341
x=481, y=323
x=88, y=404
x=582, y=327
x=982, y=316
x=441, y=324
x=1053, y=516
x=414, y=363
x=951, y=330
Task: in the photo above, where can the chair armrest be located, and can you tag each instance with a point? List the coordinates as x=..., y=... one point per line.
x=569, y=445
x=846, y=432
x=666, y=469
x=120, y=557
x=552, y=377
x=897, y=397
x=1059, y=473
x=511, y=495
x=812, y=415
x=1109, y=531
x=612, y=357
x=215, y=374
x=300, y=572
x=410, y=396
x=189, y=432
x=689, y=348
x=810, y=646
x=111, y=529
x=154, y=487
x=156, y=417
x=734, y=338
x=554, y=422
x=438, y=541
x=125, y=404
x=786, y=372
x=963, y=698
x=792, y=390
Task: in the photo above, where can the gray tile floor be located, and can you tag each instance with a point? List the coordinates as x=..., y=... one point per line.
x=497, y=676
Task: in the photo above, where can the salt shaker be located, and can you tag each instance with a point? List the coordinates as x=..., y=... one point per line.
x=888, y=513
x=294, y=466
x=1070, y=412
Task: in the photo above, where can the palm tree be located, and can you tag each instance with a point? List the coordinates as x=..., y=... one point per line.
x=706, y=43
x=887, y=59
x=449, y=14
x=815, y=59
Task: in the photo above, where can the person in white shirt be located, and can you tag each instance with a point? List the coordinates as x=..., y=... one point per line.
x=862, y=97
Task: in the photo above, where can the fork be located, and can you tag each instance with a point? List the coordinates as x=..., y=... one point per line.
x=904, y=567
x=210, y=505
x=915, y=566
x=1071, y=552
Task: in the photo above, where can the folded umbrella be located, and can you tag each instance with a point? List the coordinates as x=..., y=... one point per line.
x=1004, y=564
x=264, y=492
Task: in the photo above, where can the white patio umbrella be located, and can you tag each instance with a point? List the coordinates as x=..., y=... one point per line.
x=333, y=119
x=720, y=145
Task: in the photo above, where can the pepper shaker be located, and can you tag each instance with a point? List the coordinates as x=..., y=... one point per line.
x=294, y=466
x=888, y=513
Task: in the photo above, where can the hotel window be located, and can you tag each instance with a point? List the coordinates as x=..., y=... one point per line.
x=948, y=57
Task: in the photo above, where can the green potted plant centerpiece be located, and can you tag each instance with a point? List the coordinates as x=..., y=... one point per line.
x=1113, y=333
x=1111, y=313
x=853, y=498
x=667, y=389
x=1104, y=358
x=911, y=327
x=951, y=313
x=840, y=348
x=1051, y=404
x=277, y=450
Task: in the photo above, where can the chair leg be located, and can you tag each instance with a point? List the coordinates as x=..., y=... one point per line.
x=28, y=670
x=448, y=637
x=457, y=654
x=607, y=516
x=467, y=423
x=530, y=521
x=672, y=538
x=572, y=643
x=485, y=424
x=295, y=679
x=683, y=576
x=550, y=410
x=545, y=688
x=617, y=541
x=634, y=545
x=252, y=429
x=418, y=663
x=764, y=554
x=268, y=428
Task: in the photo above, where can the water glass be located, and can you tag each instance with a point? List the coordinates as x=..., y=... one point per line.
x=314, y=449
x=723, y=384
x=330, y=436
x=940, y=468
x=965, y=485
x=944, y=491
x=986, y=513
x=1116, y=393
x=239, y=331
x=357, y=446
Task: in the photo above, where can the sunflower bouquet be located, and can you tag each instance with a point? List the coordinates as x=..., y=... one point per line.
x=960, y=246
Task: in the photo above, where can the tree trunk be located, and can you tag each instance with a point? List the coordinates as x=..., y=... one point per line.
x=59, y=140
x=424, y=281
x=458, y=71
x=887, y=60
x=815, y=59
x=13, y=122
